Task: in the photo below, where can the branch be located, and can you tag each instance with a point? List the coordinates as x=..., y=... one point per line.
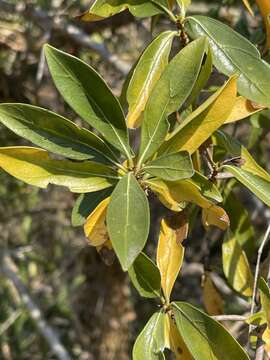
x=10, y=270
x=229, y=318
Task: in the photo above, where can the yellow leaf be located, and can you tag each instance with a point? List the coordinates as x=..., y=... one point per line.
x=236, y=266
x=247, y=5
x=264, y=6
x=242, y=109
x=204, y=121
x=35, y=167
x=266, y=339
x=212, y=299
x=174, y=194
x=170, y=252
x=89, y=16
x=174, y=341
x=95, y=226
x=217, y=216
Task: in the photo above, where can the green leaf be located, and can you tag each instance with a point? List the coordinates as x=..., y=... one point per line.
x=234, y=54
x=35, y=167
x=53, y=132
x=205, y=338
x=234, y=148
x=204, y=121
x=128, y=220
x=85, y=204
x=171, y=167
x=236, y=266
x=168, y=95
x=151, y=341
x=240, y=223
x=146, y=73
x=203, y=77
x=145, y=276
x=89, y=96
x=256, y=184
x=207, y=187
x=142, y=8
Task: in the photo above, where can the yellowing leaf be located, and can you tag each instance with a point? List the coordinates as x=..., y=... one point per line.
x=266, y=339
x=35, y=167
x=170, y=252
x=242, y=109
x=174, y=341
x=236, y=266
x=95, y=226
x=247, y=5
x=217, y=216
x=212, y=299
x=174, y=194
x=204, y=121
x=264, y=6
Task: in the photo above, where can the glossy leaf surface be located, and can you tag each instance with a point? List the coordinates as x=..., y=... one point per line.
x=234, y=54
x=171, y=167
x=128, y=220
x=145, y=75
x=89, y=96
x=205, y=338
x=145, y=276
x=35, y=167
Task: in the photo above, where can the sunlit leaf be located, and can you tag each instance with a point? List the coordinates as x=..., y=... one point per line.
x=151, y=341
x=174, y=341
x=95, y=226
x=215, y=216
x=89, y=96
x=234, y=54
x=236, y=266
x=168, y=95
x=35, y=167
x=85, y=204
x=247, y=5
x=171, y=167
x=170, y=252
x=265, y=302
x=205, y=338
x=145, y=276
x=128, y=220
x=102, y=9
x=264, y=6
x=145, y=75
x=53, y=132
x=242, y=109
x=204, y=121
x=212, y=300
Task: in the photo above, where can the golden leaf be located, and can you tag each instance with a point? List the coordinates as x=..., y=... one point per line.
x=264, y=6
x=247, y=5
x=170, y=252
x=95, y=226
x=212, y=299
x=174, y=341
x=242, y=109
x=215, y=215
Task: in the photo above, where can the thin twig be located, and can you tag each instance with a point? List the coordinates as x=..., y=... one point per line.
x=229, y=317
x=10, y=270
x=256, y=277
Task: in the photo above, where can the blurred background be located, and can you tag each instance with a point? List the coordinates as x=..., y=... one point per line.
x=58, y=300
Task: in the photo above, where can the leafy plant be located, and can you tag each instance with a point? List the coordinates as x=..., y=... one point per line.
x=184, y=158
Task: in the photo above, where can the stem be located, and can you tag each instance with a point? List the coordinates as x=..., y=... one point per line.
x=256, y=277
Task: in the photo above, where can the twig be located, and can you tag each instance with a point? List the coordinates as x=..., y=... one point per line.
x=10, y=270
x=229, y=317
x=256, y=277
